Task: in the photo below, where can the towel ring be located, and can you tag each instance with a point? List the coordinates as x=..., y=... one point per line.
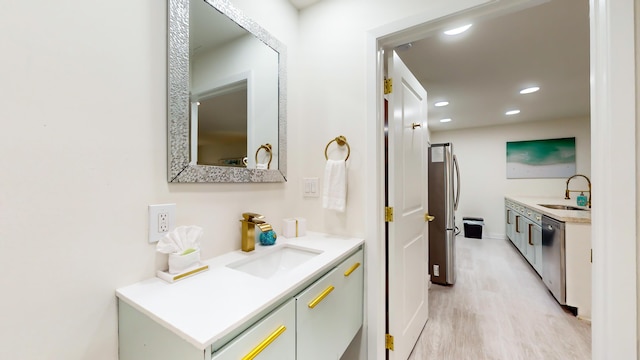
x=267, y=148
x=342, y=141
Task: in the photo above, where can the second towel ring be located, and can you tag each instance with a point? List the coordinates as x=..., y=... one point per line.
x=267, y=148
x=340, y=140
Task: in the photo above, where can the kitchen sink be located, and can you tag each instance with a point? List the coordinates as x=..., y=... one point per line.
x=562, y=207
x=275, y=262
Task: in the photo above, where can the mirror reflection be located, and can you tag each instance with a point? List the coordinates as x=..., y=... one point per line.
x=221, y=123
x=226, y=96
x=234, y=78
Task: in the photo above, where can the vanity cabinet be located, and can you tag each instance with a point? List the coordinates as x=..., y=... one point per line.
x=329, y=312
x=271, y=338
x=319, y=322
x=314, y=312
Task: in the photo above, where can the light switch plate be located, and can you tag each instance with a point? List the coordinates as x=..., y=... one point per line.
x=162, y=219
x=310, y=187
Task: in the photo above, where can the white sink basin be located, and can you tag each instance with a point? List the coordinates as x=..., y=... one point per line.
x=274, y=262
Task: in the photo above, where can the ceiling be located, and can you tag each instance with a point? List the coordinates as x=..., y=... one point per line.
x=301, y=4
x=481, y=71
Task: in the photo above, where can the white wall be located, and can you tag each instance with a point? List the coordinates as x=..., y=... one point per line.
x=481, y=154
x=83, y=144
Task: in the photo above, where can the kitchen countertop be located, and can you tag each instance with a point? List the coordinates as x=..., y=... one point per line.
x=574, y=216
x=204, y=308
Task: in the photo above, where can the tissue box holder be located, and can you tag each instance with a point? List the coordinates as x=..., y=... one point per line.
x=294, y=227
x=182, y=266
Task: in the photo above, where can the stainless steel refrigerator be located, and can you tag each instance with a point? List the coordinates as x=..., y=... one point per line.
x=444, y=195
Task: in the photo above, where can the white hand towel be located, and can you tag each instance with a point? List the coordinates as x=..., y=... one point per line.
x=334, y=194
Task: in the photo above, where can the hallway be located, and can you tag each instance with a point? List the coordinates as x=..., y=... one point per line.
x=498, y=309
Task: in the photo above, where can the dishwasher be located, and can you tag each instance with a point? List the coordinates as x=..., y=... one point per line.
x=553, y=258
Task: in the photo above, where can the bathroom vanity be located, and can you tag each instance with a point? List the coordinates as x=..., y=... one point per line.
x=564, y=261
x=299, y=299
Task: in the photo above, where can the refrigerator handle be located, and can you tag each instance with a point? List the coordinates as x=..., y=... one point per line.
x=455, y=163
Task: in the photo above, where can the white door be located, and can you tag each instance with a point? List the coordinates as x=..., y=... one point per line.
x=407, y=193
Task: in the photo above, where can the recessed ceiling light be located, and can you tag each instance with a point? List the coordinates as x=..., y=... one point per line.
x=512, y=112
x=458, y=30
x=529, y=90
x=441, y=103
x=445, y=120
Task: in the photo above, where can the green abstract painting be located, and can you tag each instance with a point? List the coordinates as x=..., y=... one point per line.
x=549, y=158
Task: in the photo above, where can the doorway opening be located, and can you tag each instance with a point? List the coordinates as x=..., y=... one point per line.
x=612, y=121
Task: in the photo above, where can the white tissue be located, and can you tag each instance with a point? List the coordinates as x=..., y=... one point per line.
x=180, y=239
x=176, y=242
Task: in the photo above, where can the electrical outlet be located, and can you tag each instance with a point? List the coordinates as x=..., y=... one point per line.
x=436, y=270
x=163, y=222
x=162, y=219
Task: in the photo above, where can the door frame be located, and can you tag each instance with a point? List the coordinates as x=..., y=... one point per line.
x=613, y=129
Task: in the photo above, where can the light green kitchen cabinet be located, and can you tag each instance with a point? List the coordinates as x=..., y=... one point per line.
x=520, y=240
x=510, y=221
x=524, y=230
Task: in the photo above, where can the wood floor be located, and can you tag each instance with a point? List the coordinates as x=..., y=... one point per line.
x=498, y=309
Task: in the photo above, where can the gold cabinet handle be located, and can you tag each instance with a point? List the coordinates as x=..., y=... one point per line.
x=321, y=297
x=530, y=226
x=429, y=218
x=517, y=224
x=266, y=342
x=352, y=269
x=416, y=125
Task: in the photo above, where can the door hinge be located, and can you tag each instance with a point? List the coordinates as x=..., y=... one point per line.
x=388, y=342
x=388, y=86
x=388, y=214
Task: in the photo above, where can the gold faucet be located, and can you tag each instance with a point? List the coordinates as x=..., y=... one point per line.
x=567, y=191
x=249, y=222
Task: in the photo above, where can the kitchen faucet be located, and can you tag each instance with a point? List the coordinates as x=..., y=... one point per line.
x=249, y=222
x=567, y=191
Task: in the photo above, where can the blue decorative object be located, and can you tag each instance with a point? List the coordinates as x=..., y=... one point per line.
x=581, y=200
x=268, y=237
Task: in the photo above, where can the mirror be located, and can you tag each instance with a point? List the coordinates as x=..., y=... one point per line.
x=226, y=96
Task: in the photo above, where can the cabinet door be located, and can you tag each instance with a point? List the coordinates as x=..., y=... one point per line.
x=510, y=223
x=518, y=235
x=536, y=239
x=272, y=338
x=527, y=242
x=329, y=312
x=350, y=310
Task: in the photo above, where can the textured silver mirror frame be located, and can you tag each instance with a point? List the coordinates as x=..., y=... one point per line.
x=179, y=168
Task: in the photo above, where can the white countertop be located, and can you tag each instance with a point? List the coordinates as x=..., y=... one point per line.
x=576, y=216
x=204, y=308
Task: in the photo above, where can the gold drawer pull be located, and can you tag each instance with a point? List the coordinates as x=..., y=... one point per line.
x=352, y=269
x=320, y=297
x=266, y=342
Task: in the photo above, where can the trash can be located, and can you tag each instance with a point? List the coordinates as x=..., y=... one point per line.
x=473, y=227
